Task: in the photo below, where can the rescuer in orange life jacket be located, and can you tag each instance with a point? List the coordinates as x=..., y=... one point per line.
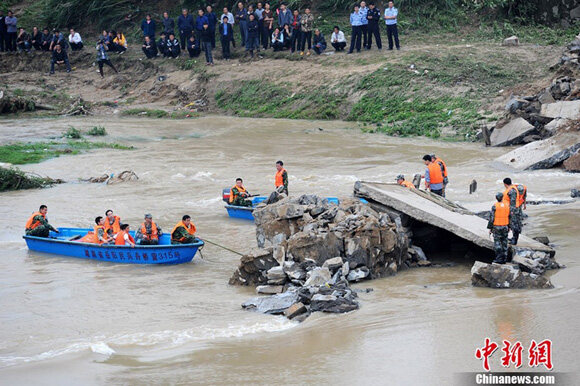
x=238, y=194
x=37, y=225
x=433, y=176
x=281, y=183
x=183, y=232
x=149, y=232
x=499, y=226
x=123, y=237
x=401, y=181
x=112, y=223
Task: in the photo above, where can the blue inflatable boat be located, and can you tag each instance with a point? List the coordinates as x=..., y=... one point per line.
x=64, y=244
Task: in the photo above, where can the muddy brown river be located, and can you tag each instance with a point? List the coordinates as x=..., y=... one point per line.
x=68, y=321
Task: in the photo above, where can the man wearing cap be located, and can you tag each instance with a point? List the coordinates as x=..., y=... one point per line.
x=148, y=233
x=401, y=181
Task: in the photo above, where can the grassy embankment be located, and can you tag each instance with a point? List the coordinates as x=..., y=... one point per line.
x=19, y=153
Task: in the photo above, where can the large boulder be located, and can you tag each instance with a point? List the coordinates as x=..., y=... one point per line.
x=572, y=164
x=511, y=134
x=314, y=246
x=542, y=154
x=561, y=109
x=505, y=276
x=253, y=268
x=511, y=41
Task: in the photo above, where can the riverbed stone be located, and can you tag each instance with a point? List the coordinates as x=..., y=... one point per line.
x=269, y=289
x=358, y=274
x=317, y=277
x=333, y=264
x=276, y=275
x=511, y=134
x=332, y=304
x=572, y=164
x=505, y=276
x=275, y=304
x=561, y=109
x=294, y=310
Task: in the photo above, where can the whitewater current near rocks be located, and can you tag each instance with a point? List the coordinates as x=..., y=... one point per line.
x=67, y=321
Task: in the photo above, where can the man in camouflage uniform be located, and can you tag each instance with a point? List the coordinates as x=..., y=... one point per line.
x=148, y=233
x=511, y=196
x=239, y=193
x=499, y=228
x=38, y=224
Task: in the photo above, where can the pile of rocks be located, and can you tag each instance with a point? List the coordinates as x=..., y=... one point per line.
x=310, y=250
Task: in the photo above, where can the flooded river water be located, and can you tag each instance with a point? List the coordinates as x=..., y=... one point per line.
x=68, y=321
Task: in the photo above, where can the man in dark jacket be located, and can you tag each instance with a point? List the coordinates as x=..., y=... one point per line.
x=162, y=44
x=242, y=20
x=212, y=21
x=173, y=50
x=149, y=48
x=193, y=47
x=35, y=38
x=199, y=22
x=226, y=35
x=59, y=57
x=374, y=16
x=2, y=31
x=58, y=38
x=148, y=27
x=253, y=38
x=185, y=25
x=45, y=40
x=168, y=23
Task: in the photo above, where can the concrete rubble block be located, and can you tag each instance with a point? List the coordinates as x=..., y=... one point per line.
x=294, y=310
x=505, y=276
x=275, y=304
x=358, y=274
x=561, y=109
x=276, y=275
x=555, y=124
x=545, y=96
x=512, y=133
x=294, y=271
x=290, y=211
x=542, y=154
x=332, y=304
x=317, y=277
x=253, y=267
x=269, y=289
x=333, y=264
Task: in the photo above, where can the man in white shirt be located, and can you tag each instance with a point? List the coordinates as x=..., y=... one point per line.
x=337, y=39
x=76, y=43
x=391, y=14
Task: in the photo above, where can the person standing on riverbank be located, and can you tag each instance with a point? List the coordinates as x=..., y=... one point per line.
x=364, y=28
x=103, y=58
x=307, y=24
x=391, y=14
x=226, y=36
x=374, y=16
x=242, y=19
x=11, y=31
x=281, y=178
x=443, y=167
x=37, y=225
x=185, y=25
x=148, y=27
x=355, y=22
x=499, y=225
x=433, y=176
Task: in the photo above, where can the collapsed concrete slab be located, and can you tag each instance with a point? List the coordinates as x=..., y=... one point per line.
x=438, y=212
x=542, y=154
x=511, y=134
x=561, y=109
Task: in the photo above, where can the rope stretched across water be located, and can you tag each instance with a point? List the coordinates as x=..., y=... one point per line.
x=221, y=246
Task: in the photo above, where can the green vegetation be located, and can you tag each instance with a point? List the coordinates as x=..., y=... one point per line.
x=26, y=153
x=15, y=179
x=155, y=113
x=97, y=131
x=72, y=133
x=264, y=99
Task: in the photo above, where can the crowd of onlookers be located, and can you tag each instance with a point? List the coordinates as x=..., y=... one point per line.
x=259, y=28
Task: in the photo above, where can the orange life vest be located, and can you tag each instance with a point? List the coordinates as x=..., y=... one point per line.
x=408, y=184
x=439, y=161
x=88, y=238
x=120, y=239
x=279, y=179
x=153, y=235
x=96, y=234
x=241, y=190
x=435, y=174
x=31, y=224
x=115, y=227
x=191, y=229
x=502, y=214
x=521, y=196
x=506, y=197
